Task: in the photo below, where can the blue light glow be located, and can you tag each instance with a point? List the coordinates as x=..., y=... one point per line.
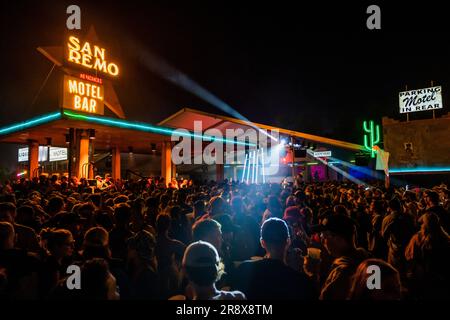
x=31, y=123
x=419, y=169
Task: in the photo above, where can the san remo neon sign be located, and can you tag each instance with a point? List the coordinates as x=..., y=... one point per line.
x=90, y=56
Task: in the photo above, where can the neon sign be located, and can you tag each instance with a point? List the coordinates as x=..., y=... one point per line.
x=90, y=56
x=83, y=96
x=372, y=137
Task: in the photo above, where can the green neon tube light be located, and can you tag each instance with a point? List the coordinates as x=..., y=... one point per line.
x=419, y=169
x=311, y=163
x=147, y=128
x=31, y=123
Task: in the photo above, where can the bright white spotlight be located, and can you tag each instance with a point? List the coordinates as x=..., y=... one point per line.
x=283, y=142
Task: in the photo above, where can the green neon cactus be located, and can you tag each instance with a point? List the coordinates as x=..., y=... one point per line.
x=373, y=133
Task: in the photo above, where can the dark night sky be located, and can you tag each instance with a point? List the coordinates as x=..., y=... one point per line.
x=313, y=69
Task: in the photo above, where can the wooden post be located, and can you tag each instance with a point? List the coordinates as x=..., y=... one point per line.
x=33, y=159
x=116, y=163
x=166, y=162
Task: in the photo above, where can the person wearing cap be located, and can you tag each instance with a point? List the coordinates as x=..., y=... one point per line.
x=203, y=268
x=271, y=277
x=338, y=236
x=142, y=267
x=99, y=182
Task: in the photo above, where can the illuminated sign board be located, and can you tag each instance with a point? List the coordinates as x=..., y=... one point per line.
x=420, y=100
x=82, y=95
x=90, y=56
x=320, y=154
x=56, y=154
x=23, y=154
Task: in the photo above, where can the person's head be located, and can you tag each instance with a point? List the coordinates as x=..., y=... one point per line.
x=300, y=197
x=208, y=230
x=291, y=201
x=340, y=209
x=25, y=214
x=7, y=235
x=308, y=214
x=59, y=242
x=86, y=211
x=152, y=203
x=103, y=219
x=181, y=197
x=122, y=214
x=96, y=199
x=350, y=194
x=217, y=206
x=430, y=223
x=395, y=205
x=376, y=207
x=96, y=243
x=337, y=233
x=387, y=284
x=71, y=221
x=274, y=205
x=120, y=199
x=202, y=265
x=275, y=237
x=55, y=205
x=237, y=204
x=199, y=208
x=432, y=198
x=97, y=282
x=141, y=249
x=293, y=216
x=163, y=223
x=7, y=212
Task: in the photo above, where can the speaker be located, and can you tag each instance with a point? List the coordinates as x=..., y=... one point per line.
x=300, y=153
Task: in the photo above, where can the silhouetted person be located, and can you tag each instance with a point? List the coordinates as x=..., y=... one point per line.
x=203, y=269
x=271, y=277
x=428, y=255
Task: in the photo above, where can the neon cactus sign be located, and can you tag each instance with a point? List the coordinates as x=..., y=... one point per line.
x=372, y=137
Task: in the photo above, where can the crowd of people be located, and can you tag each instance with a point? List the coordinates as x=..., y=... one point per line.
x=149, y=239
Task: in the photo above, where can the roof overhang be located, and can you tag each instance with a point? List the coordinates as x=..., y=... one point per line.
x=186, y=117
x=110, y=132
